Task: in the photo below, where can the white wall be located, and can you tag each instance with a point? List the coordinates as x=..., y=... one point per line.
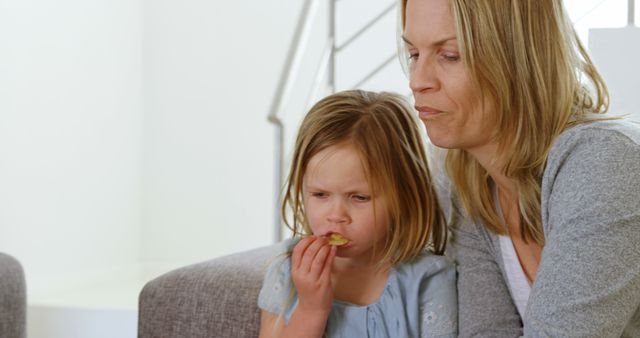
x=70, y=88
x=104, y=137
x=81, y=323
x=614, y=47
x=210, y=72
x=616, y=52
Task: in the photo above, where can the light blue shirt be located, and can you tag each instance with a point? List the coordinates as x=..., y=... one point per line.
x=419, y=300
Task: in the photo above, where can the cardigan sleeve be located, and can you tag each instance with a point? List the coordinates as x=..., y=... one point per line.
x=588, y=281
x=485, y=308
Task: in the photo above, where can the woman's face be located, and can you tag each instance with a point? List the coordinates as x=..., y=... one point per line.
x=445, y=99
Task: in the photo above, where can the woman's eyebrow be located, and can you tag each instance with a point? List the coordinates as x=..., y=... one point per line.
x=435, y=44
x=406, y=41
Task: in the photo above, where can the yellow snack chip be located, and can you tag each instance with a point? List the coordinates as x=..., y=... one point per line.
x=337, y=239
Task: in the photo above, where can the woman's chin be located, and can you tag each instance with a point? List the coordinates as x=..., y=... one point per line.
x=441, y=141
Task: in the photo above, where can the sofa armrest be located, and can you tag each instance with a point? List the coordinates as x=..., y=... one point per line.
x=216, y=298
x=13, y=298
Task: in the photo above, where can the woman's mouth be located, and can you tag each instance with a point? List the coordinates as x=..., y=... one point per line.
x=425, y=112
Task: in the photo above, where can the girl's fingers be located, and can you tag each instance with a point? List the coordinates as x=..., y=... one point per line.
x=318, y=263
x=326, y=269
x=299, y=250
x=310, y=253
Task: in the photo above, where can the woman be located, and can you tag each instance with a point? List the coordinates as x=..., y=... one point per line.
x=545, y=214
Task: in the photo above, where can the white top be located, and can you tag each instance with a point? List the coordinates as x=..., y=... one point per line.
x=520, y=288
x=518, y=282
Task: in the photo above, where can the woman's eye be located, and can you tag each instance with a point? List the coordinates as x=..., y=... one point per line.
x=318, y=194
x=452, y=57
x=413, y=55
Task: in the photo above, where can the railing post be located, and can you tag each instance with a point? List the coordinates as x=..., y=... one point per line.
x=279, y=156
x=281, y=96
x=332, y=38
x=631, y=13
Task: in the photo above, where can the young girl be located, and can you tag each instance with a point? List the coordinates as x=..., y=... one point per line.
x=369, y=262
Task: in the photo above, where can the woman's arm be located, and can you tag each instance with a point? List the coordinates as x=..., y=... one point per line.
x=588, y=282
x=485, y=308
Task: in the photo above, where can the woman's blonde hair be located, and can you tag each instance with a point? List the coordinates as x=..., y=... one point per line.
x=525, y=57
x=383, y=129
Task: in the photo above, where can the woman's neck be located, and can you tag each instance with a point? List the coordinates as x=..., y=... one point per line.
x=492, y=161
x=529, y=253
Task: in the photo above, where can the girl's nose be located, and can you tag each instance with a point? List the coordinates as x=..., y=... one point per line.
x=338, y=214
x=422, y=76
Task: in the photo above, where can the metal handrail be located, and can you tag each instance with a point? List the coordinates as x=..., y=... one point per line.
x=332, y=39
x=299, y=41
x=376, y=70
x=325, y=63
x=292, y=62
x=366, y=27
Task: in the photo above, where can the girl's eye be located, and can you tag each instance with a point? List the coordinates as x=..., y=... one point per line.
x=361, y=198
x=318, y=194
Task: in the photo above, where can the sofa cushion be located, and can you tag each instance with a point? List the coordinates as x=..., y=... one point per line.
x=216, y=298
x=13, y=299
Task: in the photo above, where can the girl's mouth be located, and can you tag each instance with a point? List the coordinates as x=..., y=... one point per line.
x=337, y=239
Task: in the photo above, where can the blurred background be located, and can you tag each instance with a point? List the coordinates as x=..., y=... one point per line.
x=135, y=139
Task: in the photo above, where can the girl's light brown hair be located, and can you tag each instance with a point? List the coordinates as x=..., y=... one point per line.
x=526, y=59
x=383, y=128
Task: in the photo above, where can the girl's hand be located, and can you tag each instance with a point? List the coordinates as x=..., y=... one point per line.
x=311, y=263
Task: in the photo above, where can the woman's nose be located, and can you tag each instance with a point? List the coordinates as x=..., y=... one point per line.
x=422, y=76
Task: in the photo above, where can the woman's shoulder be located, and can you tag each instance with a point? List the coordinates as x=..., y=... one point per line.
x=595, y=144
x=592, y=173
x=612, y=130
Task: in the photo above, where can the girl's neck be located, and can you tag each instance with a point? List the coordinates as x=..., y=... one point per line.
x=359, y=284
x=362, y=266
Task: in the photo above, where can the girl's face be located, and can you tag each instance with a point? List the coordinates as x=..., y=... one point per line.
x=445, y=99
x=338, y=199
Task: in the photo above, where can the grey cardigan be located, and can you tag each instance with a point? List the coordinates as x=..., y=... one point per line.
x=588, y=281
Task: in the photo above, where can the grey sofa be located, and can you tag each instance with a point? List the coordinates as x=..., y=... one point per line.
x=13, y=299
x=217, y=298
